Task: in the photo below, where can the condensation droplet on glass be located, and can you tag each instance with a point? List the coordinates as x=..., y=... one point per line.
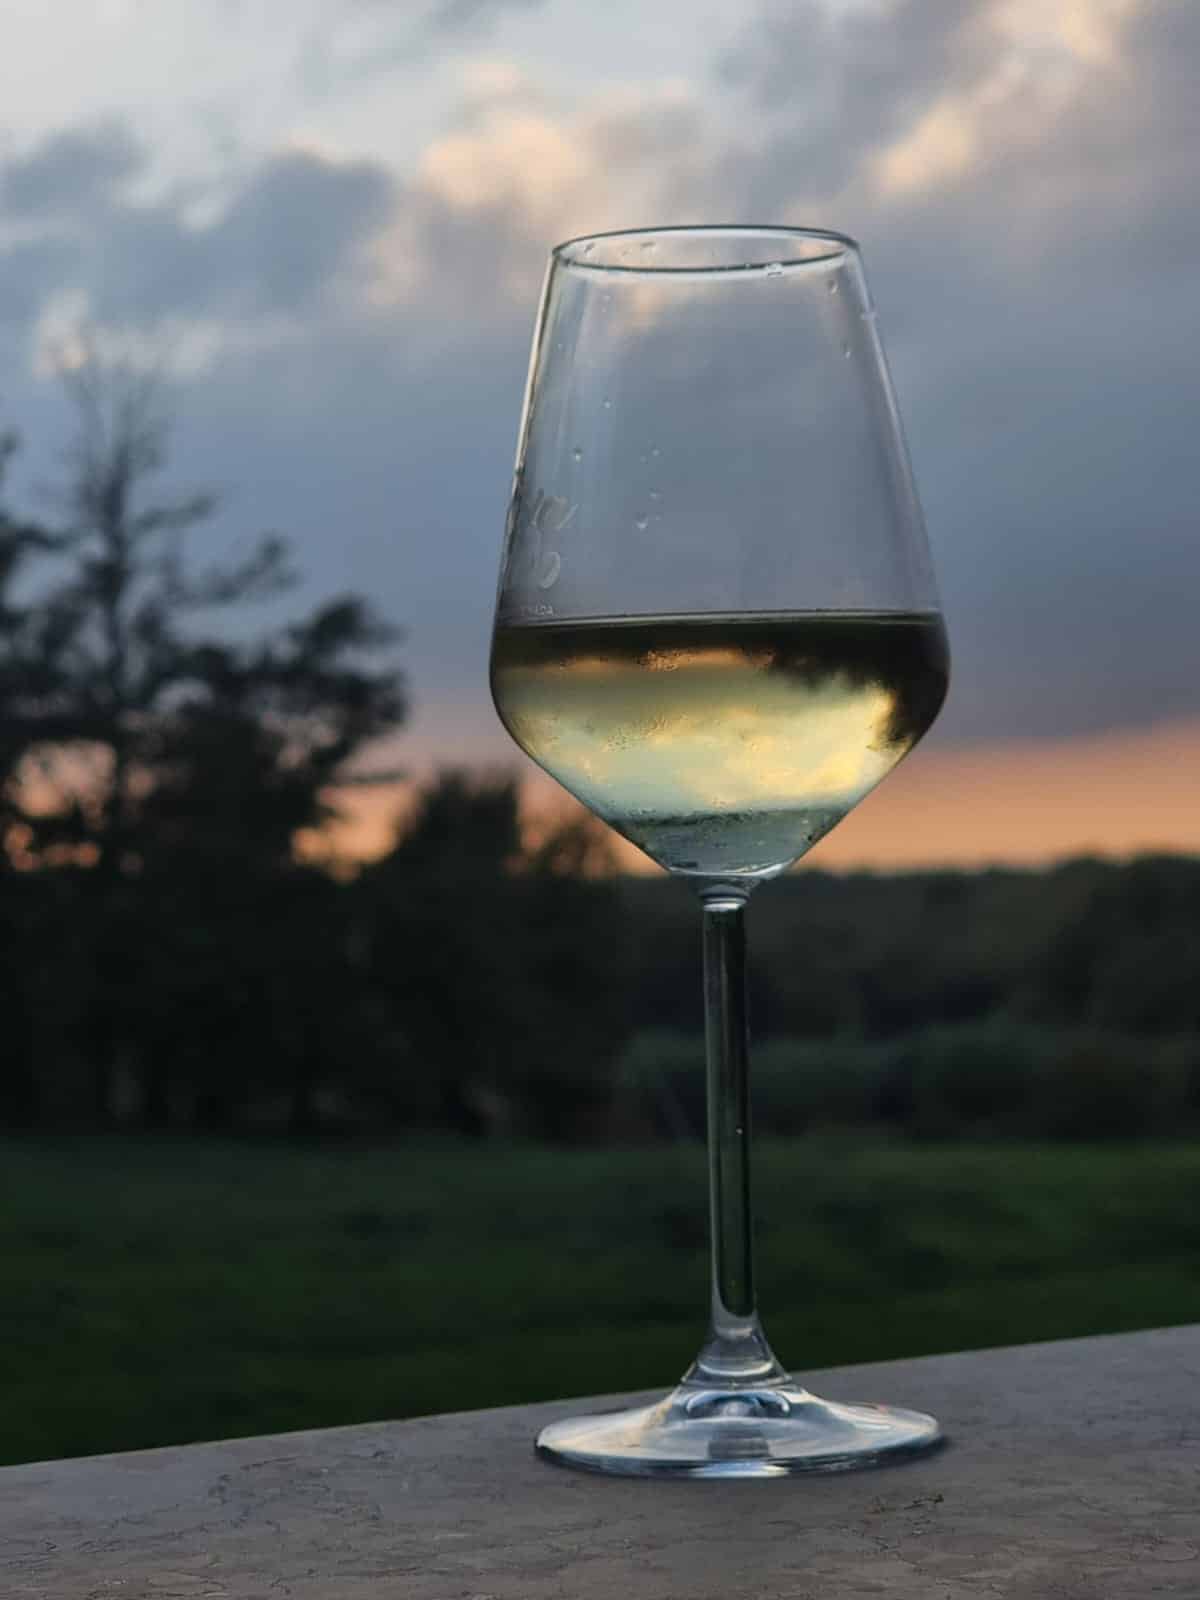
x=589, y=247
x=656, y=451
x=655, y=495
x=773, y=269
x=832, y=286
x=846, y=351
x=551, y=571
x=607, y=403
x=577, y=453
x=641, y=523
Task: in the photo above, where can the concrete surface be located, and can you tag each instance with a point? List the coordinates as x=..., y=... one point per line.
x=1074, y=1474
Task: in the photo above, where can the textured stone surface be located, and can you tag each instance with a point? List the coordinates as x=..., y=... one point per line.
x=1074, y=1474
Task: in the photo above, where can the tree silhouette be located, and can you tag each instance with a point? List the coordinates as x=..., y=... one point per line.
x=29, y=651
x=502, y=965
x=21, y=924
x=141, y=747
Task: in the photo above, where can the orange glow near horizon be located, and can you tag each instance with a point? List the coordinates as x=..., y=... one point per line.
x=1016, y=803
x=1029, y=803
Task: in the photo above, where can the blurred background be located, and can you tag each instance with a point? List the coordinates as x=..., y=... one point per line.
x=346, y=1071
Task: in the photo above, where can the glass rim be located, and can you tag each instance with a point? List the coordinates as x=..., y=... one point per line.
x=830, y=245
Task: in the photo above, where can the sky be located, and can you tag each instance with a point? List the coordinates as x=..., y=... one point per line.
x=330, y=219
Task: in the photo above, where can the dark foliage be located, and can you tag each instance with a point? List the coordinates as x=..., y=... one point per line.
x=501, y=967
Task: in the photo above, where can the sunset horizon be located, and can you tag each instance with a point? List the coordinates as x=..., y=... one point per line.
x=1020, y=803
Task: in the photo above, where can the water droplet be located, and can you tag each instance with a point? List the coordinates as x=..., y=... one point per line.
x=832, y=286
x=577, y=453
x=654, y=495
x=656, y=451
x=551, y=570
x=607, y=403
x=846, y=351
x=589, y=247
x=773, y=269
x=649, y=246
x=641, y=523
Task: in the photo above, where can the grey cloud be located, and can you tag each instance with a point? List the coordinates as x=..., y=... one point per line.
x=72, y=171
x=399, y=42
x=457, y=16
x=657, y=149
x=831, y=87
x=294, y=226
x=278, y=247
x=388, y=461
x=1038, y=306
x=666, y=139
x=1040, y=314
x=26, y=270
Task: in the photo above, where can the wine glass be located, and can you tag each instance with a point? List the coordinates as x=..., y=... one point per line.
x=717, y=627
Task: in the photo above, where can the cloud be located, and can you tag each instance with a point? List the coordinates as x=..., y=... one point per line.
x=280, y=246
x=75, y=171
x=456, y=16
x=290, y=231
x=25, y=269
x=1021, y=174
x=1023, y=180
x=836, y=85
x=517, y=172
x=306, y=230
x=361, y=43
x=888, y=99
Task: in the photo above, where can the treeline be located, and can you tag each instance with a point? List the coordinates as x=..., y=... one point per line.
x=171, y=957
x=457, y=983
x=1091, y=943
x=1059, y=1004
x=469, y=983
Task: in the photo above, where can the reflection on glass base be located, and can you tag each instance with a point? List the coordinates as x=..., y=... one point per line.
x=700, y=1432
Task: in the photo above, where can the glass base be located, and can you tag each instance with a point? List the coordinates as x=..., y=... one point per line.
x=768, y=1432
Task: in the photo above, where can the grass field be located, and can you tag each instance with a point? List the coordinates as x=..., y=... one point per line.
x=154, y=1291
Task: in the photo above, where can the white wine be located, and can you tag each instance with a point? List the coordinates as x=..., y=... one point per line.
x=721, y=745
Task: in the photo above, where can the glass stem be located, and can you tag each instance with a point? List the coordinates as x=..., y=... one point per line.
x=736, y=1352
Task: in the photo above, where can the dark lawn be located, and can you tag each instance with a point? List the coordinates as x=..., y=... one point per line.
x=156, y=1290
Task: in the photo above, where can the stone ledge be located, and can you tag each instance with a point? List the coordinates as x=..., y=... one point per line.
x=1073, y=1473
